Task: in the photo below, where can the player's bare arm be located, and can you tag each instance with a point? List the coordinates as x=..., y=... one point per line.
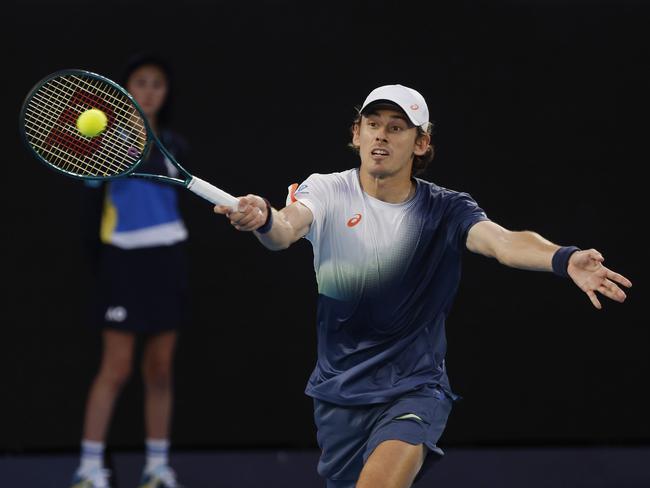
x=281, y=229
x=528, y=250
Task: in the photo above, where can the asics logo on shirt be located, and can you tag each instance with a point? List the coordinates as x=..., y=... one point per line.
x=354, y=220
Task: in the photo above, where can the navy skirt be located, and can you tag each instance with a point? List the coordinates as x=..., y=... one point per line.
x=142, y=290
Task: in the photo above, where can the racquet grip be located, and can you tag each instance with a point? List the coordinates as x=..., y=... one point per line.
x=211, y=193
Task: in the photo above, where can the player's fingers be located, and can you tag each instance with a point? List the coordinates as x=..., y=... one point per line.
x=257, y=222
x=593, y=254
x=594, y=299
x=256, y=200
x=244, y=213
x=237, y=226
x=237, y=206
x=245, y=204
x=619, y=278
x=610, y=290
x=251, y=218
x=236, y=217
x=221, y=209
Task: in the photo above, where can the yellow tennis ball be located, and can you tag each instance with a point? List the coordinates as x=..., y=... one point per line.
x=92, y=122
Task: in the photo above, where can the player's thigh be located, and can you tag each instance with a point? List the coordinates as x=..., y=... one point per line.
x=158, y=354
x=117, y=352
x=393, y=464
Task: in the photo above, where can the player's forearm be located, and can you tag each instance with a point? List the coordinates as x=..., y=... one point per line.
x=280, y=236
x=526, y=250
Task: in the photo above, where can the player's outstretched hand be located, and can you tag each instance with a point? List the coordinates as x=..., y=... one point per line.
x=587, y=271
x=250, y=215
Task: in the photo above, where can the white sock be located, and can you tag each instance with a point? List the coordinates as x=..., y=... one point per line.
x=157, y=453
x=92, y=456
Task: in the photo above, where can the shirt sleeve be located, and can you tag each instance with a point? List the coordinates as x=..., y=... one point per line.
x=464, y=212
x=315, y=194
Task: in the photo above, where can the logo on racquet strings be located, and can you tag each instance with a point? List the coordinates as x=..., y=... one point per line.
x=73, y=143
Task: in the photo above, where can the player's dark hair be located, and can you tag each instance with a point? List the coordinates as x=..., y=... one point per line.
x=420, y=163
x=152, y=59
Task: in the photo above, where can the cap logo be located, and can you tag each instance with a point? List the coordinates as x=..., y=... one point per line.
x=415, y=106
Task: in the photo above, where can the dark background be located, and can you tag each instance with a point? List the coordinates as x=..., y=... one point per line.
x=541, y=114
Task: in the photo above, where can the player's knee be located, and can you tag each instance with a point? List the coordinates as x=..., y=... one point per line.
x=393, y=464
x=115, y=375
x=157, y=374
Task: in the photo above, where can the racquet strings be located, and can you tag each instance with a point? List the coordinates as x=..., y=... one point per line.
x=50, y=127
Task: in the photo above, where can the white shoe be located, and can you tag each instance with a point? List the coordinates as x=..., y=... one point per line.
x=161, y=477
x=95, y=478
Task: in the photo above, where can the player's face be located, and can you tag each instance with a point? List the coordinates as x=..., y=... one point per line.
x=148, y=85
x=387, y=143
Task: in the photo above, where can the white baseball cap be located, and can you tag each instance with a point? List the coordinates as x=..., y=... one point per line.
x=409, y=100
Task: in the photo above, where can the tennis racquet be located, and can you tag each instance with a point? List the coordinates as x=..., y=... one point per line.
x=48, y=126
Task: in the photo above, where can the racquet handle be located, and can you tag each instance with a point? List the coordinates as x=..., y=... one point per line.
x=211, y=193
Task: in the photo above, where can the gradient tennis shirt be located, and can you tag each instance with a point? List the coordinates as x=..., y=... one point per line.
x=387, y=276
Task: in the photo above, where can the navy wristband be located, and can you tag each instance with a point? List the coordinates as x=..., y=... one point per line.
x=560, y=260
x=269, y=219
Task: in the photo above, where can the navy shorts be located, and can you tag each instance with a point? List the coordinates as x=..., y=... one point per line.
x=142, y=290
x=347, y=435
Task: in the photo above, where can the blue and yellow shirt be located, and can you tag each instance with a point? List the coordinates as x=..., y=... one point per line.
x=140, y=213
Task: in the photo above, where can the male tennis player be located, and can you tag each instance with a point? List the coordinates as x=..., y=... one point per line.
x=387, y=255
